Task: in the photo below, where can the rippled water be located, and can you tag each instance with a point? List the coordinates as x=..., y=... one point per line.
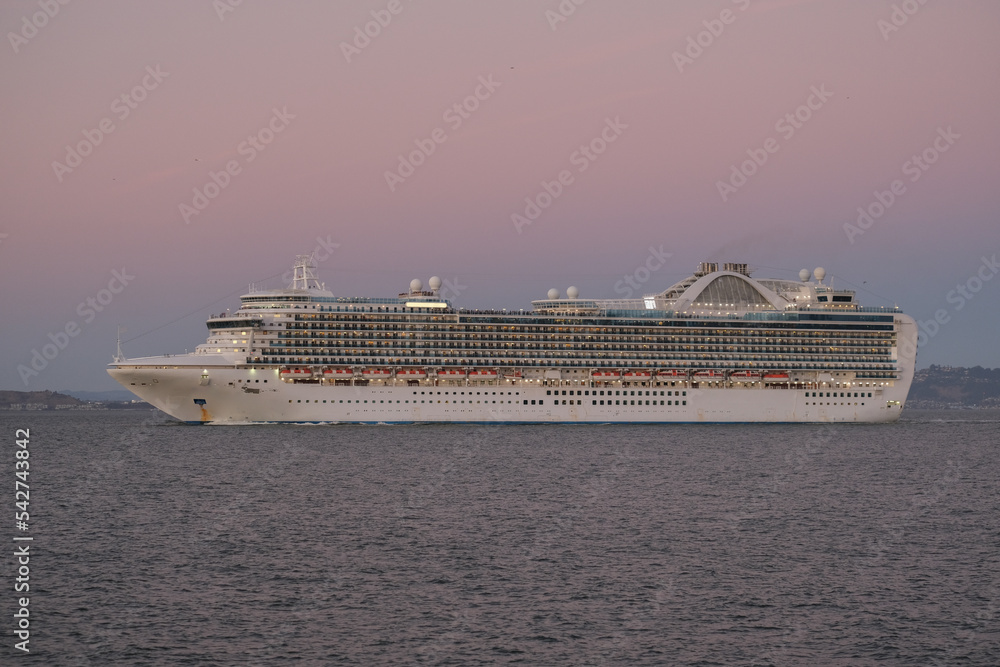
x=159, y=543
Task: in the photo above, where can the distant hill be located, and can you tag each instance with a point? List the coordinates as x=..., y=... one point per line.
x=36, y=400
x=955, y=387
x=52, y=400
x=120, y=395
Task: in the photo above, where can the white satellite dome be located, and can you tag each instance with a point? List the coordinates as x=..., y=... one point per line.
x=434, y=283
x=804, y=275
x=416, y=285
x=553, y=294
x=820, y=273
x=572, y=292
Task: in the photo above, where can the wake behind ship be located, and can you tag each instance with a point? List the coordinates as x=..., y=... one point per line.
x=719, y=346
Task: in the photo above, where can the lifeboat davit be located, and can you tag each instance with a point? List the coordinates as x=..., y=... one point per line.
x=376, y=374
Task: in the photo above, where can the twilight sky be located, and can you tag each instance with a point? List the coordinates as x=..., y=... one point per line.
x=158, y=157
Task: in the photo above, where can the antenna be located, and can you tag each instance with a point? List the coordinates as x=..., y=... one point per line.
x=119, y=357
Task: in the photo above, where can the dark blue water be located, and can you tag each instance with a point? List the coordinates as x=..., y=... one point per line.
x=164, y=544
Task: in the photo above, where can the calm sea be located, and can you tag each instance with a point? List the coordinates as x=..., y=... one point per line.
x=164, y=544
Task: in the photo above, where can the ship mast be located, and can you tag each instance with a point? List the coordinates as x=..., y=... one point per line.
x=119, y=356
x=304, y=274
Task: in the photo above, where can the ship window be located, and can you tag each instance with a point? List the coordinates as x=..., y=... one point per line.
x=685, y=402
x=685, y=394
x=525, y=401
x=548, y=392
x=617, y=402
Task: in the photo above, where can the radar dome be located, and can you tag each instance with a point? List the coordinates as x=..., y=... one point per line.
x=572, y=292
x=553, y=294
x=416, y=285
x=820, y=273
x=434, y=283
x=804, y=275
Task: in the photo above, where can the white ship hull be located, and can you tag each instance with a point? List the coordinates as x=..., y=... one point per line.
x=233, y=396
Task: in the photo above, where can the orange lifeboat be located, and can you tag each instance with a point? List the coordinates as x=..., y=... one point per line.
x=605, y=376
x=376, y=374
x=452, y=373
x=709, y=374
x=295, y=374
x=412, y=374
x=338, y=373
x=637, y=376
x=485, y=374
x=745, y=375
x=672, y=373
x=776, y=377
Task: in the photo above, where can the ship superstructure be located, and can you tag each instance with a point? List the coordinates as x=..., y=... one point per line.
x=719, y=346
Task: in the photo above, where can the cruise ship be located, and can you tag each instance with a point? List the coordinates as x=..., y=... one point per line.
x=719, y=346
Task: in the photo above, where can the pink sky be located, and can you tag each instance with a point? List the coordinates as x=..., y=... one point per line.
x=890, y=96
